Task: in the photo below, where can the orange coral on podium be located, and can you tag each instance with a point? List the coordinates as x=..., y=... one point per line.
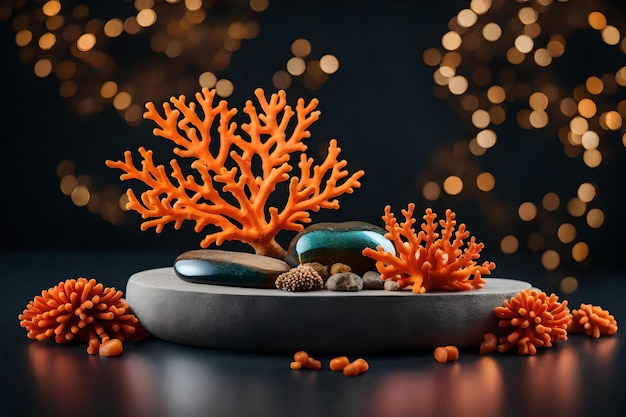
x=234, y=180
x=427, y=261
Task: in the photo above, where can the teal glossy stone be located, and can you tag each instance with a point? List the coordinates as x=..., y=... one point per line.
x=329, y=243
x=219, y=267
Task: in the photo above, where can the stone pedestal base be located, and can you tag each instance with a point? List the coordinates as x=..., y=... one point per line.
x=254, y=319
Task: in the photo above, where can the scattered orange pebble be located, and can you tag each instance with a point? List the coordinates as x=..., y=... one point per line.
x=313, y=364
x=355, y=368
x=362, y=364
x=305, y=361
x=445, y=354
x=489, y=344
x=112, y=347
x=301, y=356
x=337, y=364
x=453, y=353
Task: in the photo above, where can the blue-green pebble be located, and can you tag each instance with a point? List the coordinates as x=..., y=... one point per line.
x=329, y=243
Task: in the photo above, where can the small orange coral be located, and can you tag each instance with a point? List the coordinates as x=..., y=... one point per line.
x=538, y=320
x=79, y=309
x=592, y=320
x=426, y=260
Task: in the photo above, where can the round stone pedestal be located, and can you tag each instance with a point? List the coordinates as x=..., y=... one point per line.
x=256, y=319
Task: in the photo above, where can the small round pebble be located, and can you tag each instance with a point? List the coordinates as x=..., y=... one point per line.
x=344, y=281
x=391, y=285
x=372, y=281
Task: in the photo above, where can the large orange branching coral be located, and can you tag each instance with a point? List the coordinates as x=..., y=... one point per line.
x=233, y=181
x=429, y=260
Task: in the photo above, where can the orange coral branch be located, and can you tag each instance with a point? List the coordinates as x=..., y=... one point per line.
x=427, y=261
x=537, y=320
x=593, y=321
x=229, y=191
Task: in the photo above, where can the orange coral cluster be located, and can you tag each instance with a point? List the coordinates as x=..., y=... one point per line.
x=593, y=321
x=537, y=320
x=79, y=310
x=427, y=260
x=233, y=181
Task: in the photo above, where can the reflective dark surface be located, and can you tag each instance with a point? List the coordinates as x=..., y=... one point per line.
x=580, y=377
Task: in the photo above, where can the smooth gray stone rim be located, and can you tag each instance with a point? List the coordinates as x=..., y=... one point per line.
x=271, y=320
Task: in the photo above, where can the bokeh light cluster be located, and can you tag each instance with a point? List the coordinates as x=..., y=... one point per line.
x=503, y=66
x=301, y=65
x=125, y=53
x=121, y=54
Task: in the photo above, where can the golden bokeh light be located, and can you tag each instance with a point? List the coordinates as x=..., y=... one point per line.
x=594, y=85
x=480, y=6
x=592, y=158
x=587, y=108
x=146, y=18
x=538, y=119
x=43, y=68
x=80, y=195
x=301, y=48
x=568, y=285
x=466, y=18
x=122, y=100
x=481, y=118
x=47, y=41
x=576, y=207
x=527, y=15
x=566, y=233
x=451, y=41
x=542, y=57
x=259, y=5
x=485, y=181
x=492, y=32
x=580, y=251
x=329, y=64
x=431, y=191
x=595, y=218
x=296, y=66
x=458, y=85
x=486, y=138
x=590, y=140
x=86, y=42
x=207, y=79
x=527, y=211
x=281, y=80
x=524, y=44
x=613, y=120
x=550, y=259
x=586, y=192
x=596, y=20
x=432, y=57
x=114, y=28
x=496, y=94
x=610, y=35
x=224, y=87
x=453, y=185
x=550, y=201
x=109, y=89
x=509, y=244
